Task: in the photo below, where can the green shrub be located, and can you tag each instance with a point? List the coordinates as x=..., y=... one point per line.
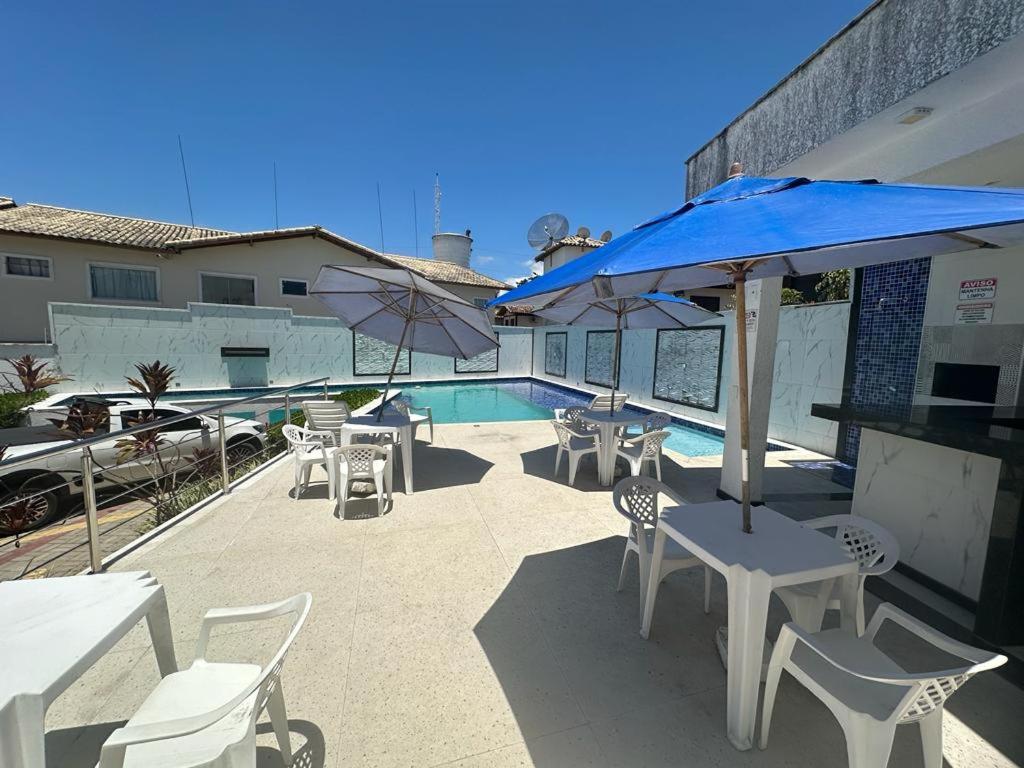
x=11, y=404
x=792, y=296
x=354, y=398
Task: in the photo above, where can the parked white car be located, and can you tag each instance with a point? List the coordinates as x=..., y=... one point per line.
x=52, y=479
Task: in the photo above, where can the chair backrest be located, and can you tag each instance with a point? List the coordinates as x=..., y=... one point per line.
x=564, y=432
x=656, y=421
x=573, y=416
x=401, y=406
x=601, y=402
x=301, y=439
x=636, y=499
x=326, y=414
x=872, y=546
x=360, y=458
x=652, y=443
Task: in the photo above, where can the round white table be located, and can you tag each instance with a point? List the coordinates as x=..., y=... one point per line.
x=608, y=425
x=392, y=423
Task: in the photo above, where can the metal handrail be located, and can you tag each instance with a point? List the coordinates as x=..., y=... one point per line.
x=77, y=445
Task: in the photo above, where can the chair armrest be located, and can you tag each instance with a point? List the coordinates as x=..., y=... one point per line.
x=422, y=408
x=981, y=659
x=807, y=638
x=633, y=440
x=583, y=435
x=243, y=614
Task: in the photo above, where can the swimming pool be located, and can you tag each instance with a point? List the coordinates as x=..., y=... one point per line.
x=523, y=400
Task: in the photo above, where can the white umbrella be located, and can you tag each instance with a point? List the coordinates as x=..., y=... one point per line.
x=404, y=309
x=648, y=310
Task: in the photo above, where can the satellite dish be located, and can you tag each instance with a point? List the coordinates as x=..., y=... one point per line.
x=583, y=232
x=606, y=236
x=547, y=229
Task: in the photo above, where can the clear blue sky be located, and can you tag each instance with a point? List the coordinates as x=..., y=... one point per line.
x=523, y=107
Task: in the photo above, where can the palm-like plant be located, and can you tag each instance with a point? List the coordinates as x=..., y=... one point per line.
x=32, y=374
x=83, y=419
x=154, y=380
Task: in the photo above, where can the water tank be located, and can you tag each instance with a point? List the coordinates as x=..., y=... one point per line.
x=453, y=247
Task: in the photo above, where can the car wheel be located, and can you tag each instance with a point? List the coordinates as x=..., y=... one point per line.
x=26, y=509
x=240, y=452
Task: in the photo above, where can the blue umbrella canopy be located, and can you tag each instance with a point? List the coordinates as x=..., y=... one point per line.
x=752, y=228
x=790, y=226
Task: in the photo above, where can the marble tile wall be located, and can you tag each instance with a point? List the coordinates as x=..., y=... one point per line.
x=98, y=345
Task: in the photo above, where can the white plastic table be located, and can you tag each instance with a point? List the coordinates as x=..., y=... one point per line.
x=780, y=552
x=53, y=630
x=608, y=425
x=392, y=423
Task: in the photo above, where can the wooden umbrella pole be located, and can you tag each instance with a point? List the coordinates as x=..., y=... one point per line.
x=394, y=362
x=739, y=277
x=615, y=361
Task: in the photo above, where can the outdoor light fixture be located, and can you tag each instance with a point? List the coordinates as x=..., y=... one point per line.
x=914, y=115
x=602, y=286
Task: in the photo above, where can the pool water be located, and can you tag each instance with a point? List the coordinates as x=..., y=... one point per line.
x=530, y=401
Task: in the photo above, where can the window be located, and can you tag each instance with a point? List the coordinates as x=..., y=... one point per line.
x=227, y=289
x=27, y=266
x=688, y=366
x=129, y=417
x=291, y=287
x=117, y=283
x=372, y=357
x=485, y=362
x=480, y=302
x=600, y=358
x=554, y=353
x=712, y=303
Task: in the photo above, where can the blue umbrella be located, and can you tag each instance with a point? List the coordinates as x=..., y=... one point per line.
x=648, y=310
x=751, y=228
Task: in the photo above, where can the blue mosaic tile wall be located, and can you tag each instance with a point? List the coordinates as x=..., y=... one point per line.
x=892, y=300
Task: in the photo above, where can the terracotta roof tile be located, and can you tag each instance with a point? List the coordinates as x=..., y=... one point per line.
x=570, y=240
x=446, y=272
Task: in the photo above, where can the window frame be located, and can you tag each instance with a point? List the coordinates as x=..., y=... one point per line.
x=565, y=358
x=282, y=280
x=4, y=255
x=586, y=362
x=497, y=361
x=255, y=288
x=398, y=366
x=122, y=265
x=718, y=378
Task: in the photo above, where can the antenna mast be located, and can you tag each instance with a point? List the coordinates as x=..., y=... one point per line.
x=415, y=223
x=437, y=204
x=380, y=218
x=276, y=226
x=188, y=192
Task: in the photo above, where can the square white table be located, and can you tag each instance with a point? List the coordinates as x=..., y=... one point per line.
x=780, y=552
x=53, y=630
x=393, y=423
x=608, y=425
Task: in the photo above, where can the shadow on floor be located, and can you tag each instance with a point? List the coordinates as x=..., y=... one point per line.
x=541, y=463
x=80, y=747
x=437, y=467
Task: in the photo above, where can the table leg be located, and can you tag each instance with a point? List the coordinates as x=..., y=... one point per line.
x=849, y=587
x=407, y=457
x=22, y=734
x=653, y=582
x=748, y=617
x=159, y=622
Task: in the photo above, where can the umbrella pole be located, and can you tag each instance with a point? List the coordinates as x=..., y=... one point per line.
x=740, y=280
x=391, y=374
x=615, y=361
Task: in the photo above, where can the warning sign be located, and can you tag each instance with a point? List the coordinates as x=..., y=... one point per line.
x=974, y=314
x=751, y=320
x=975, y=290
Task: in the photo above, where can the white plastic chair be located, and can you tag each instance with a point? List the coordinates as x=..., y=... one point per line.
x=327, y=415
x=636, y=499
x=872, y=546
x=416, y=418
x=866, y=690
x=573, y=416
x=206, y=715
x=366, y=462
x=642, y=449
x=575, y=444
x=601, y=402
x=309, y=448
x=652, y=423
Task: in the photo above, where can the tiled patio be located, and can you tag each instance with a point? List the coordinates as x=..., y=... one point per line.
x=477, y=624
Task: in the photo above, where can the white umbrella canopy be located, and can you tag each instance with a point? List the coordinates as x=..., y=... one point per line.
x=404, y=309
